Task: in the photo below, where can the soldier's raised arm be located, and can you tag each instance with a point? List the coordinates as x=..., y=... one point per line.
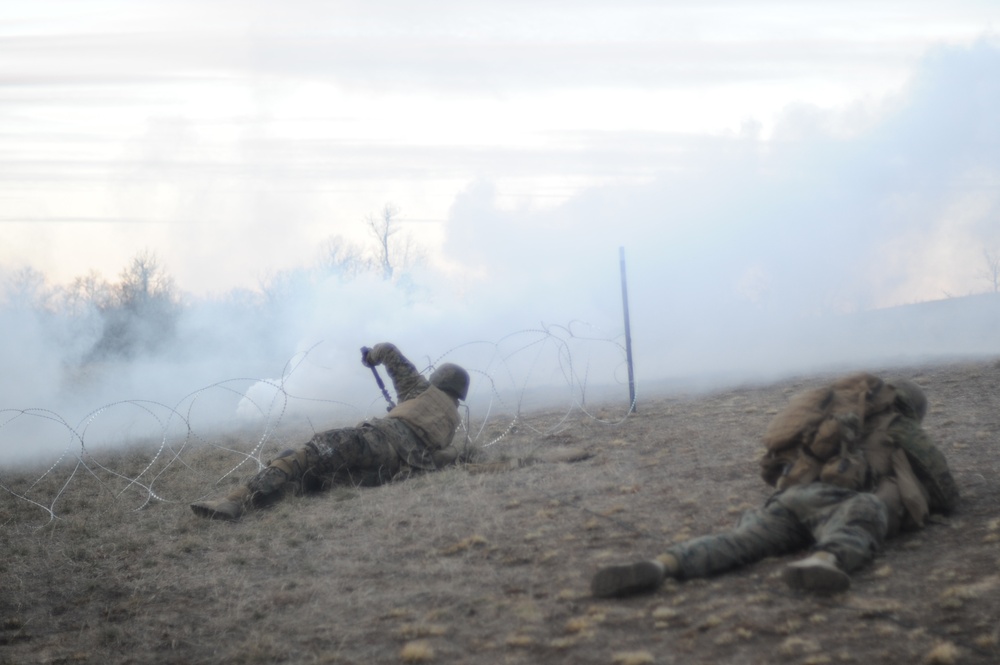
x=406, y=380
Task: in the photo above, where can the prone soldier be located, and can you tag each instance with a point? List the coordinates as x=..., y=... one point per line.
x=417, y=432
x=852, y=465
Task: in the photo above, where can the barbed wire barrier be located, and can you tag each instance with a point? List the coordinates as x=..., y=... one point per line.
x=136, y=452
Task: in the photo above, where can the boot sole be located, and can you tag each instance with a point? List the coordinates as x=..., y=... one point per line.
x=626, y=580
x=208, y=512
x=817, y=578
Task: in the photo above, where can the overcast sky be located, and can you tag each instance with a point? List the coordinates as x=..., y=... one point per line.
x=232, y=138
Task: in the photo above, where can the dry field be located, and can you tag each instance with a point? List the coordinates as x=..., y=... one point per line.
x=462, y=567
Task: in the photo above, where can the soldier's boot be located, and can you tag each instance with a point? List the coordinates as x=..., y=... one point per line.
x=633, y=578
x=230, y=507
x=263, y=488
x=819, y=573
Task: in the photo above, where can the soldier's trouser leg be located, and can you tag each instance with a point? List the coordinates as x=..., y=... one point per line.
x=361, y=454
x=850, y=525
x=769, y=531
x=841, y=524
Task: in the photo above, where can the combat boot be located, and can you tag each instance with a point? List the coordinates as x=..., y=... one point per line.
x=634, y=577
x=819, y=573
x=230, y=507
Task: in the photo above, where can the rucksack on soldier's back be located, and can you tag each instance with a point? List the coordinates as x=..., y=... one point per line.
x=818, y=425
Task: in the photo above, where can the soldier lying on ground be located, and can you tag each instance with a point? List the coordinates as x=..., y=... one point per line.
x=418, y=433
x=852, y=466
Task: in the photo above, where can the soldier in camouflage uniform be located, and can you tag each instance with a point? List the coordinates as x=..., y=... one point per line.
x=852, y=466
x=418, y=432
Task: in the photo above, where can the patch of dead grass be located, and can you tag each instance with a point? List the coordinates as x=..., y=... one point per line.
x=492, y=567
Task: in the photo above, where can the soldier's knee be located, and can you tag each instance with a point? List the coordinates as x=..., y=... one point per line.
x=872, y=512
x=293, y=462
x=800, y=499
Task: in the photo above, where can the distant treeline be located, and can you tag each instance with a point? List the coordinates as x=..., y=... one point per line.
x=141, y=314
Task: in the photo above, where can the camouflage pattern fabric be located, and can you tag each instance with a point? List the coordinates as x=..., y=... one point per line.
x=819, y=425
x=373, y=452
x=361, y=456
x=354, y=455
x=848, y=434
x=422, y=426
x=852, y=465
x=928, y=463
x=851, y=525
x=406, y=380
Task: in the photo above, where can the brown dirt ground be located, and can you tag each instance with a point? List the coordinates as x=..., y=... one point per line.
x=460, y=567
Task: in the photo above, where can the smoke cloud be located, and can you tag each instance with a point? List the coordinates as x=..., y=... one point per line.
x=849, y=237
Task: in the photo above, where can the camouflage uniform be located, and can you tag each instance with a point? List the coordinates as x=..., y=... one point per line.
x=851, y=525
x=852, y=465
x=418, y=432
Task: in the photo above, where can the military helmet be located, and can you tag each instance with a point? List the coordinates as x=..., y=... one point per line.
x=452, y=379
x=910, y=397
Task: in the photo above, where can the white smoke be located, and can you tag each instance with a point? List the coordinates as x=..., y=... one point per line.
x=757, y=257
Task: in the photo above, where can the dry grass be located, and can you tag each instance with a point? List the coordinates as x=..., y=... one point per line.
x=459, y=567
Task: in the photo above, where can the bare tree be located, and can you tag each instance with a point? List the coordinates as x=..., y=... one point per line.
x=91, y=291
x=343, y=258
x=383, y=227
x=992, y=271
x=27, y=289
x=393, y=252
x=143, y=281
x=140, y=316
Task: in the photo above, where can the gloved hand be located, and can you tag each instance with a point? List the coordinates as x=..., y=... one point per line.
x=364, y=356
